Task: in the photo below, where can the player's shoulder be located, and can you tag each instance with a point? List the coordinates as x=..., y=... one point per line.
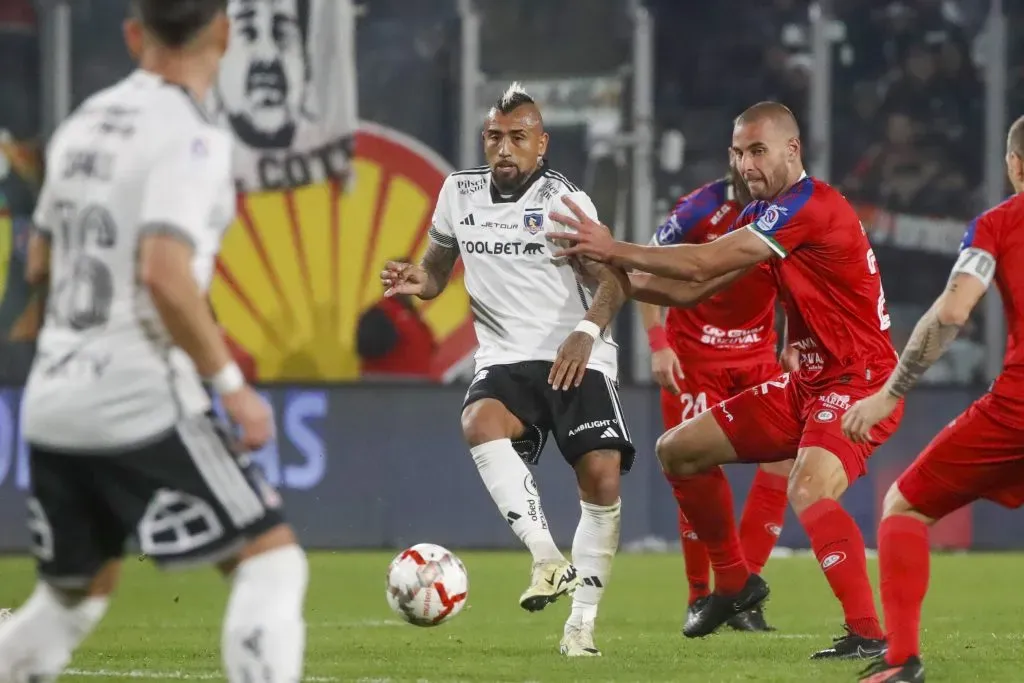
x=467, y=182
x=554, y=183
x=994, y=223
x=1008, y=212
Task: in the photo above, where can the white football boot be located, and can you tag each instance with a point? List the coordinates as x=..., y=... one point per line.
x=551, y=580
x=578, y=640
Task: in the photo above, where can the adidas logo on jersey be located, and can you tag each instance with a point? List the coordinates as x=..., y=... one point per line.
x=609, y=433
x=468, y=220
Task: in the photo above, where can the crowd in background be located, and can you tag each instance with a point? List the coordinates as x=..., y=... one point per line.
x=908, y=92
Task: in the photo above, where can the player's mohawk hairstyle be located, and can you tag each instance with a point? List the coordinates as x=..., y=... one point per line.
x=514, y=96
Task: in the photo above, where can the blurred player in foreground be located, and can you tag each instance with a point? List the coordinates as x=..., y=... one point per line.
x=121, y=440
x=836, y=317
x=980, y=454
x=546, y=360
x=703, y=355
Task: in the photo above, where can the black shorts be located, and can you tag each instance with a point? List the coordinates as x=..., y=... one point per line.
x=187, y=499
x=583, y=419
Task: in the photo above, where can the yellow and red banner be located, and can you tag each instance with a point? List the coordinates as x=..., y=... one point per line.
x=299, y=266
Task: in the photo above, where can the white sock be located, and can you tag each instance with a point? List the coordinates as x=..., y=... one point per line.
x=593, y=549
x=515, y=493
x=37, y=642
x=264, y=636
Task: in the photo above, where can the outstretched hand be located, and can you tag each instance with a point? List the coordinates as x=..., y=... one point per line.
x=591, y=239
x=403, y=278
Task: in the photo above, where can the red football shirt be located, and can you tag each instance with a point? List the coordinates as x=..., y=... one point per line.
x=736, y=326
x=829, y=283
x=1000, y=232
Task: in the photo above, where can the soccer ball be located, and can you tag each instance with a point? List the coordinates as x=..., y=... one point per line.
x=427, y=585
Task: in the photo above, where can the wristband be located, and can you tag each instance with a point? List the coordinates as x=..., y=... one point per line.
x=588, y=328
x=657, y=337
x=228, y=380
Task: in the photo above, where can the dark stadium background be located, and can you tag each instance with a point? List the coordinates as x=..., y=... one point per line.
x=904, y=105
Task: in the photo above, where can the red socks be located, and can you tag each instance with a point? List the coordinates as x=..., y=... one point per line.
x=706, y=501
x=839, y=547
x=695, y=555
x=762, y=518
x=903, y=556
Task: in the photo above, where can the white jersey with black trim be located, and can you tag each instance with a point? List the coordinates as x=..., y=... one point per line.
x=524, y=302
x=138, y=158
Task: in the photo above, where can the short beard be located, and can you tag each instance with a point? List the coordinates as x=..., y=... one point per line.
x=510, y=185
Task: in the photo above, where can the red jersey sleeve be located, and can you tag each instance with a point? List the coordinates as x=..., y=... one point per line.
x=689, y=213
x=981, y=234
x=783, y=223
x=979, y=248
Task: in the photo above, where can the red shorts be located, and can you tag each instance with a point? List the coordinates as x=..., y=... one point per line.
x=973, y=457
x=773, y=420
x=701, y=389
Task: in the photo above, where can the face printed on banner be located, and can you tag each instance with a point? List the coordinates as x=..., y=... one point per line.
x=263, y=75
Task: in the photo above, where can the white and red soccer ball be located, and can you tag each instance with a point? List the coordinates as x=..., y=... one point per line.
x=427, y=585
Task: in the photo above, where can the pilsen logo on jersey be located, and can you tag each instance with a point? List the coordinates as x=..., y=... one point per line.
x=298, y=267
x=287, y=91
x=770, y=217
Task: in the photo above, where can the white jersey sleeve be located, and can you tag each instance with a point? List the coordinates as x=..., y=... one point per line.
x=185, y=184
x=977, y=262
x=582, y=200
x=45, y=218
x=442, y=229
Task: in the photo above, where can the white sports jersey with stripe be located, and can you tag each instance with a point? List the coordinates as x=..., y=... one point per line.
x=525, y=303
x=136, y=159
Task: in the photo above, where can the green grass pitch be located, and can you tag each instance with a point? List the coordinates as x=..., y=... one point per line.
x=166, y=627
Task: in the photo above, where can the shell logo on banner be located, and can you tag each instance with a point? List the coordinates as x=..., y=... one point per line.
x=298, y=267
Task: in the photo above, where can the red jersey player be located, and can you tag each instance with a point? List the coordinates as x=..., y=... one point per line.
x=702, y=356
x=980, y=454
x=836, y=316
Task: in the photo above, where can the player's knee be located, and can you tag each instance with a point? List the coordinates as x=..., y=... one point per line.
x=678, y=454
x=815, y=477
x=598, y=474
x=484, y=421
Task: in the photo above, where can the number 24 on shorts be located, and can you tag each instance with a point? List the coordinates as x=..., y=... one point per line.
x=693, y=405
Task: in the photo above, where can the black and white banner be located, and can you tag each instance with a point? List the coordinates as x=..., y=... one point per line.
x=287, y=90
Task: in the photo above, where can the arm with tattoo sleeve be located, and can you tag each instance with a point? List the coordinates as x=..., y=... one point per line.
x=612, y=290
x=437, y=264
x=936, y=331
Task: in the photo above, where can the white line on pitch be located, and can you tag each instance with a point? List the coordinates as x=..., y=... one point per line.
x=169, y=675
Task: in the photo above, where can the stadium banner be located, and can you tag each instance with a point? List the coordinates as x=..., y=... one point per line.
x=21, y=173
x=940, y=236
x=324, y=201
x=364, y=466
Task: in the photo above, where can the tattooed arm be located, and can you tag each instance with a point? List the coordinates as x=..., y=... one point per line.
x=936, y=330
x=437, y=264
x=612, y=290
x=972, y=274
x=934, y=333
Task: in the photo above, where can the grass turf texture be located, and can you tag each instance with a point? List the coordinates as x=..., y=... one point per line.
x=166, y=627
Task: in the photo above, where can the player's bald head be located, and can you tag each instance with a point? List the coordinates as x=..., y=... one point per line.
x=777, y=114
x=766, y=149
x=1015, y=138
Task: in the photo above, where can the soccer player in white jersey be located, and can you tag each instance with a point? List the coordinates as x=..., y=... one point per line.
x=546, y=361
x=122, y=442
